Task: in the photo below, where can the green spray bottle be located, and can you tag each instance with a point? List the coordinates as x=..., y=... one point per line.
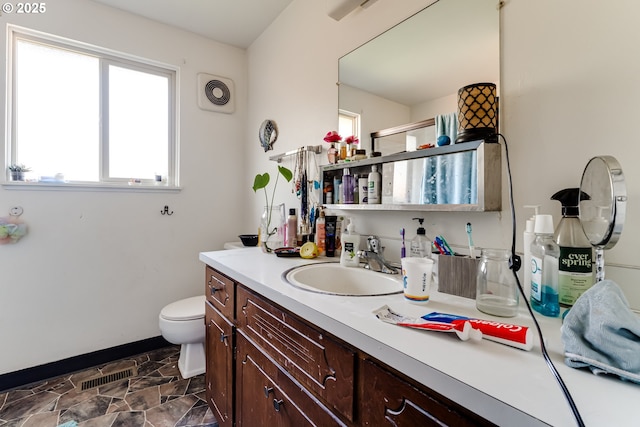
x=575, y=268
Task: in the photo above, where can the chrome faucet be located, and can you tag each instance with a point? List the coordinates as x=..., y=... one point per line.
x=375, y=258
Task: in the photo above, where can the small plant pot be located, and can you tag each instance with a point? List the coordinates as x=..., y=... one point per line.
x=17, y=176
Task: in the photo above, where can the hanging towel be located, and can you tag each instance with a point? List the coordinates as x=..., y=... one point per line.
x=602, y=333
x=447, y=124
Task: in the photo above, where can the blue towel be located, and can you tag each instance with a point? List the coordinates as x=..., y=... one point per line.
x=602, y=333
x=69, y=424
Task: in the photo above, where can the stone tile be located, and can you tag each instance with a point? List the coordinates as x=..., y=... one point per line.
x=144, y=399
x=168, y=414
x=116, y=389
x=164, y=353
x=148, y=368
x=45, y=419
x=118, y=405
x=74, y=396
x=174, y=388
x=129, y=419
x=147, y=382
x=101, y=421
x=170, y=370
x=27, y=405
x=193, y=417
x=90, y=408
x=196, y=385
x=13, y=395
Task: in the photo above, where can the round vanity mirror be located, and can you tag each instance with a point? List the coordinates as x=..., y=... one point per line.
x=602, y=214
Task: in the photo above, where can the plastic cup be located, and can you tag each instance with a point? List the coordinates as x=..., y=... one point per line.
x=417, y=274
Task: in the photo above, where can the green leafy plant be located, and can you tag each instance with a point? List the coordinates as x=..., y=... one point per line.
x=260, y=182
x=19, y=168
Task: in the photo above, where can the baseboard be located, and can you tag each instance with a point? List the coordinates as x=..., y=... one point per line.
x=77, y=363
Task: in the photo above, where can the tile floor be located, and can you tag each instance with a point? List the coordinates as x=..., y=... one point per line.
x=157, y=397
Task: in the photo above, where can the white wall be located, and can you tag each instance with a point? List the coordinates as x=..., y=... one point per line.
x=568, y=92
x=97, y=267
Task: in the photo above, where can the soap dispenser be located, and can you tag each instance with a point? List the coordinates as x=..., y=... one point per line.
x=350, y=247
x=420, y=244
x=575, y=268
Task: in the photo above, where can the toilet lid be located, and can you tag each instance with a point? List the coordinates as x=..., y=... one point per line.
x=185, y=309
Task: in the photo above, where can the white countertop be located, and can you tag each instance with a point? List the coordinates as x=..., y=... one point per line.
x=505, y=385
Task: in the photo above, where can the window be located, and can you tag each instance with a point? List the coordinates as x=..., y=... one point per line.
x=348, y=123
x=85, y=115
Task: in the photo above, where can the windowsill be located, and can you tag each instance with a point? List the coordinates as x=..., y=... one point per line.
x=64, y=186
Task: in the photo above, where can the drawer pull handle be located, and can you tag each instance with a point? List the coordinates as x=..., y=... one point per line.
x=211, y=285
x=267, y=390
x=223, y=337
x=277, y=403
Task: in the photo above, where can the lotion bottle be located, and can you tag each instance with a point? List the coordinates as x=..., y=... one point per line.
x=374, y=180
x=544, y=268
x=320, y=233
x=350, y=247
x=292, y=228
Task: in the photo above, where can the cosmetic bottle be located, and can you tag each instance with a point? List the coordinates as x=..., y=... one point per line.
x=544, y=268
x=320, y=234
x=348, y=186
x=350, y=247
x=528, y=236
x=575, y=268
x=330, y=235
x=374, y=181
x=420, y=244
x=292, y=228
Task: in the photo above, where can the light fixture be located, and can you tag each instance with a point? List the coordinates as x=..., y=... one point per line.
x=345, y=7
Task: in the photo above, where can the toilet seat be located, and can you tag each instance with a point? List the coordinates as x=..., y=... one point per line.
x=185, y=309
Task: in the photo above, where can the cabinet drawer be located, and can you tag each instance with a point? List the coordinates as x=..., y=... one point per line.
x=268, y=396
x=219, y=372
x=220, y=291
x=320, y=363
x=387, y=400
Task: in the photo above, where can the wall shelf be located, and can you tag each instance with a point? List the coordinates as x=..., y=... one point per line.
x=316, y=149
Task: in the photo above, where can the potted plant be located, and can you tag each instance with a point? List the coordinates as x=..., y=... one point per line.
x=17, y=171
x=267, y=231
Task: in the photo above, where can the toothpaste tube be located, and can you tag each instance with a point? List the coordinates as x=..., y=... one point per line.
x=514, y=335
x=462, y=329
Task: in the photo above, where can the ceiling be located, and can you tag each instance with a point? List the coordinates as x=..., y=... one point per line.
x=234, y=22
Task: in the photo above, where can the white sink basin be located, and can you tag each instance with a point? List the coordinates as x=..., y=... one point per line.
x=335, y=279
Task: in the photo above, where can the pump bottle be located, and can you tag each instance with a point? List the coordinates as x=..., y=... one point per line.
x=420, y=244
x=320, y=233
x=575, y=268
x=350, y=247
x=544, y=268
x=374, y=182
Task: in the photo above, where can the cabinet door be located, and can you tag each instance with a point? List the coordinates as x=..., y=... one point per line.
x=219, y=373
x=388, y=400
x=220, y=291
x=267, y=396
x=321, y=364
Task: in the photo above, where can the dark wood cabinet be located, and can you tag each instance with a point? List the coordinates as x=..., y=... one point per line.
x=268, y=367
x=390, y=401
x=268, y=396
x=220, y=343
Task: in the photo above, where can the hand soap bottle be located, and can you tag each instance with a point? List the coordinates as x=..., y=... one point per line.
x=421, y=244
x=544, y=268
x=350, y=247
x=575, y=268
x=528, y=236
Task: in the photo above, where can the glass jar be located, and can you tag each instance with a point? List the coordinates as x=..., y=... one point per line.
x=272, y=228
x=497, y=289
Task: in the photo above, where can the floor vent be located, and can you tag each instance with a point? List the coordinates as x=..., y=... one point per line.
x=108, y=378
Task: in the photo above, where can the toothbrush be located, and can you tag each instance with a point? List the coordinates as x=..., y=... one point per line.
x=472, y=252
x=403, y=250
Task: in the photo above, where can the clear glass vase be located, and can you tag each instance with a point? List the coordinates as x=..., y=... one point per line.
x=497, y=290
x=272, y=228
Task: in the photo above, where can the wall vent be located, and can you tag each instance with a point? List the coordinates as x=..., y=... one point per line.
x=108, y=378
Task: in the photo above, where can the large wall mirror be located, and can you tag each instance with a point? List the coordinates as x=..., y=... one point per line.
x=413, y=71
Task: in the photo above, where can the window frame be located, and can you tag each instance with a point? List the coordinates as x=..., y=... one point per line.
x=106, y=58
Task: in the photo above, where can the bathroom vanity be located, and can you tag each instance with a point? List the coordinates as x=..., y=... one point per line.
x=278, y=355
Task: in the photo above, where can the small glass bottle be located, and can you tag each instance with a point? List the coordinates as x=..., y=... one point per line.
x=332, y=154
x=496, y=287
x=343, y=150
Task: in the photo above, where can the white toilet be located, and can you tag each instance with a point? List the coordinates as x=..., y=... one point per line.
x=182, y=322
